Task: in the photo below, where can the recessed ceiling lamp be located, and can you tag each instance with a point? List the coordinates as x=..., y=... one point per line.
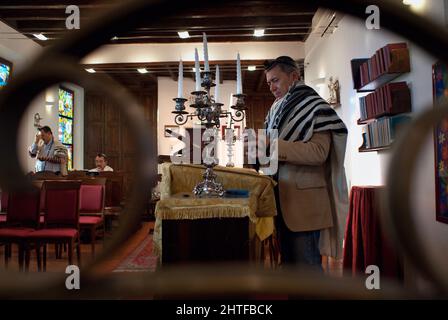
x=142, y=70
x=40, y=36
x=413, y=2
x=90, y=70
x=251, y=68
x=415, y=5
x=258, y=32
x=183, y=34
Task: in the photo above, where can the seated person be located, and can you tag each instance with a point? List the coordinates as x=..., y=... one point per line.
x=101, y=163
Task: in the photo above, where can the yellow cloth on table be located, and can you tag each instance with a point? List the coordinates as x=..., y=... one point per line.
x=260, y=207
x=191, y=207
x=183, y=177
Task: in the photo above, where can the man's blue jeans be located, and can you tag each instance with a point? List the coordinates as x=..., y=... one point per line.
x=299, y=248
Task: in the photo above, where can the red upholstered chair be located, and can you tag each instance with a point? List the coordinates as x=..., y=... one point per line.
x=61, y=219
x=22, y=220
x=3, y=201
x=91, y=207
x=3, y=207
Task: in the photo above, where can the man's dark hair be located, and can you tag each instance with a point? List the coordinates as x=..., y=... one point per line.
x=102, y=155
x=286, y=64
x=45, y=129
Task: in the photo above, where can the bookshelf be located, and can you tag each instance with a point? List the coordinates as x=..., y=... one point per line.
x=363, y=149
x=385, y=107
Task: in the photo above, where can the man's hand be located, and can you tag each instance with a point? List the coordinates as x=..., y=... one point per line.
x=38, y=138
x=263, y=145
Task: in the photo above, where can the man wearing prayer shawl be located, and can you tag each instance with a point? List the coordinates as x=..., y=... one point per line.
x=312, y=197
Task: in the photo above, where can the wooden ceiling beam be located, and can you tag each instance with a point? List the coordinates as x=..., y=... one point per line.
x=232, y=21
x=161, y=30
x=170, y=64
x=233, y=10
x=190, y=23
x=46, y=9
x=43, y=3
x=211, y=39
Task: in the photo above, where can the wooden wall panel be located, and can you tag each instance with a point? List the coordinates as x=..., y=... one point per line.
x=94, y=137
x=258, y=108
x=107, y=130
x=112, y=143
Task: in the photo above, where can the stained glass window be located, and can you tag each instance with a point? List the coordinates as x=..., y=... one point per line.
x=66, y=103
x=65, y=130
x=66, y=112
x=5, y=71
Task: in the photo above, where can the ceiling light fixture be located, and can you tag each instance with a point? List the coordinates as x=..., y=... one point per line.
x=251, y=68
x=194, y=69
x=183, y=34
x=90, y=70
x=412, y=2
x=142, y=70
x=40, y=36
x=258, y=32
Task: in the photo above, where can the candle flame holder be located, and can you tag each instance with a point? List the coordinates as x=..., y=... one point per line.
x=209, y=112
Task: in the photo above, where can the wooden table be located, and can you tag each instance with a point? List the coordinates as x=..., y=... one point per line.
x=208, y=230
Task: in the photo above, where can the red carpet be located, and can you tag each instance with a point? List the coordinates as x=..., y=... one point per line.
x=141, y=259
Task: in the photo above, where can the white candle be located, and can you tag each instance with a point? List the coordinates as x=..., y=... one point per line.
x=204, y=42
x=180, y=80
x=239, y=87
x=217, y=85
x=196, y=67
x=229, y=118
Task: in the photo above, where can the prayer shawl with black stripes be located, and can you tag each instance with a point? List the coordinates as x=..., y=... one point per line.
x=297, y=116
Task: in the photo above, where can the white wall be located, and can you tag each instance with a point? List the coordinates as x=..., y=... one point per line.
x=331, y=56
x=21, y=51
x=17, y=48
x=167, y=89
x=173, y=52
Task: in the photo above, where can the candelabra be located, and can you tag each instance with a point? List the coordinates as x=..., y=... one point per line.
x=230, y=141
x=209, y=112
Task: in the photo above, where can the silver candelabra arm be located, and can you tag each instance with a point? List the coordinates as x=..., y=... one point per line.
x=238, y=117
x=209, y=112
x=230, y=141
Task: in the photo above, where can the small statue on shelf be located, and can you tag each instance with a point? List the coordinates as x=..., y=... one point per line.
x=37, y=119
x=333, y=86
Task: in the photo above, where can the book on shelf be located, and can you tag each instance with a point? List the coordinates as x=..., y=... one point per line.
x=392, y=98
x=393, y=54
x=388, y=60
x=383, y=132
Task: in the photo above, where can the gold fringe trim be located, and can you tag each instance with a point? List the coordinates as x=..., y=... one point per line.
x=204, y=212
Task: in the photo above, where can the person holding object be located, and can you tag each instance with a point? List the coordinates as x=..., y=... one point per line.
x=101, y=163
x=51, y=154
x=312, y=196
